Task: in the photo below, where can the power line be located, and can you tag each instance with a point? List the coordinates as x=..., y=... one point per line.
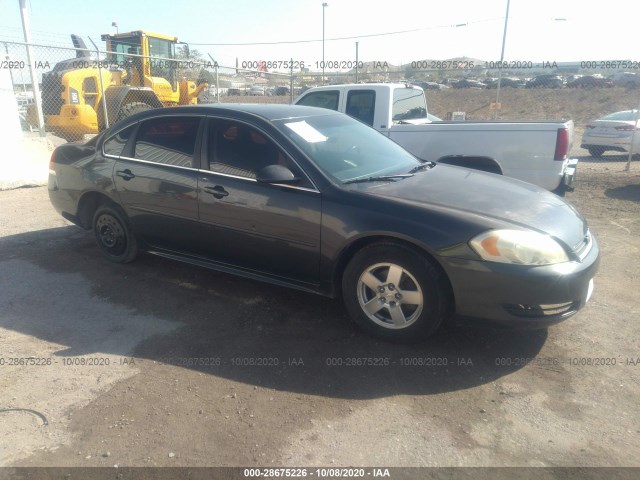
x=353, y=37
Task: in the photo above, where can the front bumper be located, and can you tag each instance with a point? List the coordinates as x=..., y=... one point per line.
x=521, y=296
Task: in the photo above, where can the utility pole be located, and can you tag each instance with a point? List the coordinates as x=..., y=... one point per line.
x=324, y=5
x=32, y=66
x=357, y=62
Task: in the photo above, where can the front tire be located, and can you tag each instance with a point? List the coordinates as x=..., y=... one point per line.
x=393, y=292
x=114, y=235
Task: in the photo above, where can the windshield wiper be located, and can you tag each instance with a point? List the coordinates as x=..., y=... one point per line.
x=380, y=178
x=423, y=166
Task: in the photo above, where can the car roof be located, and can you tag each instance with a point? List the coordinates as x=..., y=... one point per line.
x=265, y=111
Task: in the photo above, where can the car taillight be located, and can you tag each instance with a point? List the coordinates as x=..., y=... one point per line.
x=562, y=144
x=52, y=163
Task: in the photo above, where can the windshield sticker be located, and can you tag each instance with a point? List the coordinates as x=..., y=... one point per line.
x=307, y=132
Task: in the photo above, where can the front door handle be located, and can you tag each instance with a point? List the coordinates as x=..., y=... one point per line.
x=218, y=191
x=126, y=174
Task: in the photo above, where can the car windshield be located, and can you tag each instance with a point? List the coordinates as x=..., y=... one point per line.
x=629, y=116
x=347, y=149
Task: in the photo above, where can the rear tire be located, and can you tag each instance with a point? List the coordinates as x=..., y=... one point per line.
x=132, y=108
x=114, y=235
x=596, y=152
x=394, y=293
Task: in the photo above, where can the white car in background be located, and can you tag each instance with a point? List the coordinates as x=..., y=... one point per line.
x=258, y=90
x=612, y=132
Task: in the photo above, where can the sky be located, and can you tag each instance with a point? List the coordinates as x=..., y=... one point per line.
x=538, y=31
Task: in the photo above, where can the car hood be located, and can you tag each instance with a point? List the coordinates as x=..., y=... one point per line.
x=489, y=195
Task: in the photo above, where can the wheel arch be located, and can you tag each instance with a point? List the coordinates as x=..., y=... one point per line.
x=87, y=206
x=484, y=164
x=348, y=252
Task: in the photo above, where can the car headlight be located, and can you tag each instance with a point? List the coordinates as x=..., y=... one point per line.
x=518, y=247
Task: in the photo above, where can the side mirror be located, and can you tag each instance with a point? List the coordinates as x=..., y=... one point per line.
x=276, y=174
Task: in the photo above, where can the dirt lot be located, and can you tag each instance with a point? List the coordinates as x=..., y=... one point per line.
x=154, y=363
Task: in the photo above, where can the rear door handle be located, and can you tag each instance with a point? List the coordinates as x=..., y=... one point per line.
x=218, y=191
x=126, y=174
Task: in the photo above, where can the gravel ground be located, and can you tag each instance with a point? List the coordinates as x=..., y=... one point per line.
x=156, y=363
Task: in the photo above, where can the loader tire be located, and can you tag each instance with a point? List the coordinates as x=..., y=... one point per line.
x=132, y=108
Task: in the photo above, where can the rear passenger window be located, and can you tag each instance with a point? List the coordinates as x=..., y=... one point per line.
x=360, y=105
x=115, y=145
x=323, y=99
x=168, y=140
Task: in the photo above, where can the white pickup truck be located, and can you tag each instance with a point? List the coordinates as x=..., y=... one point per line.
x=532, y=151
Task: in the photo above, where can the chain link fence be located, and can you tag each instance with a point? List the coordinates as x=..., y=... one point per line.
x=82, y=90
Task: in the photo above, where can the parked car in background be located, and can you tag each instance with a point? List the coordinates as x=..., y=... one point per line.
x=432, y=85
x=590, y=81
x=258, y=90
x=281, y=90
x=506, y=82
x=315, y=200
x=626, y=79
x=468, y=83
x=612, y=132
x=546, y=81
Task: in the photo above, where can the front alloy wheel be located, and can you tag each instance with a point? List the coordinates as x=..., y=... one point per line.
x=395, y=292
x=390, y=296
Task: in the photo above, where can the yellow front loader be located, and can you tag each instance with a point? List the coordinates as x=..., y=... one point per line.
x=140, y=72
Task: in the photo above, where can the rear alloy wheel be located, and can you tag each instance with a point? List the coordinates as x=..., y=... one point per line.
x=394, y=293
x=596, y=152
x=113, y=234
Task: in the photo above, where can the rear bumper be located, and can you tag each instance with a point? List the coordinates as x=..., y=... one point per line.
x=521, y=296
x=569, y=174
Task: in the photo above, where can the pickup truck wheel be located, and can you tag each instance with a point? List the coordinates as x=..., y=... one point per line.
x=114, y=235
x=596, y=152
x=394, y=293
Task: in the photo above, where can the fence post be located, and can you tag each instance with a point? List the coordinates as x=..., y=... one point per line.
x=504, y=41
x=633, y=136
x=356, y=62
x=217, y=84
x=32, y=67
x=291, y=84
x=215, y=66
x=104, y=100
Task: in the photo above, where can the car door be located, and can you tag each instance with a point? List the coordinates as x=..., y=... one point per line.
x=157, y=183
x=265, y=228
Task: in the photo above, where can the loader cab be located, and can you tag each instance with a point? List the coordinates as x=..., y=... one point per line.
x=149, y=60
